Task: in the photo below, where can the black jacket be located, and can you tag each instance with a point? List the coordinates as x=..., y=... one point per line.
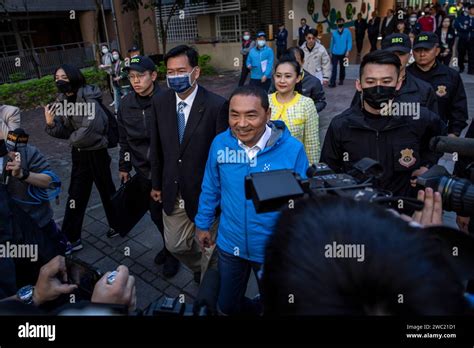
x=413, y=90
x=351, y=138
x=386, y=30
x=449, y=88
x=373, y=27
x=176, y=167
x=360, y=28
x=134, y=123
x=450, y=38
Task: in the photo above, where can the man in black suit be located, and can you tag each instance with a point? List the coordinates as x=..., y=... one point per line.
x=388, y=24
x=185, y=120
x=302, y=31
x=373, y=29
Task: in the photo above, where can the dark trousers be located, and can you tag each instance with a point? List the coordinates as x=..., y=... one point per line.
x=462, y=49
x=359, y=43
x=373, y=42
x=265, y=85
x=88, y=167
x=245, y=71
x=156, y=211
x=280, y=51
x=446, y=59
x=470, y=56
x=335, y=59
x=234, y=273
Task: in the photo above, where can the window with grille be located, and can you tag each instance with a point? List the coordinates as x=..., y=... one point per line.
x=181, y=29
x=229, y=27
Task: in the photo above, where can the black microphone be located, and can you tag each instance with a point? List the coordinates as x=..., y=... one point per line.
x=3, y=148
x=3, y=154
x=206, y=299
x=462, y=146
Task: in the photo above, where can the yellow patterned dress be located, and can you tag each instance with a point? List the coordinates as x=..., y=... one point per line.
x=302, y=120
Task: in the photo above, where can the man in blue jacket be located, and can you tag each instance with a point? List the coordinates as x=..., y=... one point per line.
x=260, y=63
x=341, y=45
x=252, y=144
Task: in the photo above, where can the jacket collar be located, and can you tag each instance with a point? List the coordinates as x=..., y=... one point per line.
x=356, y=119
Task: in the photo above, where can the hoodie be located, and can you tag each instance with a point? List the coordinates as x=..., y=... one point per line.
x=86, y=130
x=242, y=232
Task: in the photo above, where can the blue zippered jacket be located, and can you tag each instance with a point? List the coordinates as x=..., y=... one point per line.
x=341, y=43
x=242, y=232
x=255, y=59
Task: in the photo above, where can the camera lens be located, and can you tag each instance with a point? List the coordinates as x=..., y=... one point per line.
x=457, y=195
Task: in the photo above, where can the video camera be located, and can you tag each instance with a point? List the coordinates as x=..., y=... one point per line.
x=457, y=193
x=274, y=189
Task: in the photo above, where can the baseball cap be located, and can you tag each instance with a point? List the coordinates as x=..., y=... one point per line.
x=425, y=40
x=141, y=64
x=261, y=33
x=397, y=43
x=133, y=48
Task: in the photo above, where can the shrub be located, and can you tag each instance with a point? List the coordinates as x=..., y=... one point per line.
x=37, y=92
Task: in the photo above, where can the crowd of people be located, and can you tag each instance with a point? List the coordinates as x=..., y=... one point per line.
x=192, y=149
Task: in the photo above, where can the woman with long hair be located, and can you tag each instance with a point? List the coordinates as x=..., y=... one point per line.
x=78, y=115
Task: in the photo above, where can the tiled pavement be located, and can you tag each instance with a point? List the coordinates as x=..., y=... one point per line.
x=138, y=249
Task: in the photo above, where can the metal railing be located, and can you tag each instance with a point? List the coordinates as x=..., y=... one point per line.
x=193, y=9
x=41, y=61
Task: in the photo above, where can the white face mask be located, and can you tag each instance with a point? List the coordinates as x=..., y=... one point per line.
x=105, y=50
x=246, y=37
x=115, y=57
x=261, y=43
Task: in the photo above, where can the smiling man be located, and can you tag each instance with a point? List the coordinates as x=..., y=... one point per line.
x=242, y=233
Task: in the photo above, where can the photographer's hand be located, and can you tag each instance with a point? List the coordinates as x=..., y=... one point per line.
x=121, y=291
x=418, y=172
x=49, y=287
x=432, y=212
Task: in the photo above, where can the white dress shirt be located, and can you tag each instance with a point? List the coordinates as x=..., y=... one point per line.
x=260, y=145
x=189, y=104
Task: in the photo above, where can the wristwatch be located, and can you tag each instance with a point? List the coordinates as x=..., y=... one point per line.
x=26, y=174
x=25, y=294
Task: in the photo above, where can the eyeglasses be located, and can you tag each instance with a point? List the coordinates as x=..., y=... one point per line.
x=132, y=77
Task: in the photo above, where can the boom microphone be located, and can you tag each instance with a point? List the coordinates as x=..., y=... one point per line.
x=462, y=146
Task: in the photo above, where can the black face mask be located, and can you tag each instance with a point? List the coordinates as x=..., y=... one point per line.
x=377, y=95
x=64, y=86
x=340, y=25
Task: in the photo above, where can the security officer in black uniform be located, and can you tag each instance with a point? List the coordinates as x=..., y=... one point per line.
x=133, y=120
x=400, y=143
x=413, y=89
x=446, y=82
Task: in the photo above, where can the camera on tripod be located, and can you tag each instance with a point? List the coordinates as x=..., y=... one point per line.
x=272, y=190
